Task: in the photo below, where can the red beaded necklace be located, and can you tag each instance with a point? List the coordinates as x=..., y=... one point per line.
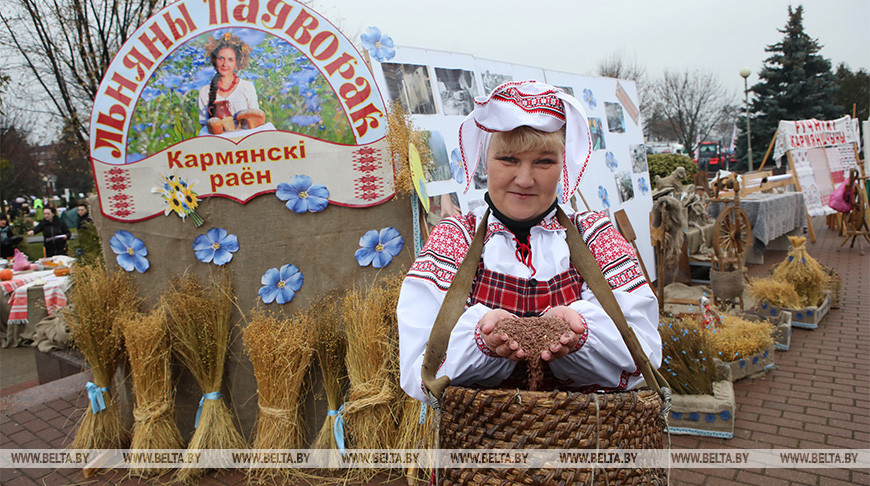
x=232, y=85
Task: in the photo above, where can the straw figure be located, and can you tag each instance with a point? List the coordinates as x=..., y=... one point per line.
x=100, y=303
x=687, y=361
x=147, y=339
x=281, y=351
x=803, y=272
x=401, y=131
x=199, y=324
x=372, y=366
x=673, y=180
x=669, y=214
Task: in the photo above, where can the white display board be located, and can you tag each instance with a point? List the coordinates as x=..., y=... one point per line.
x=438, y=89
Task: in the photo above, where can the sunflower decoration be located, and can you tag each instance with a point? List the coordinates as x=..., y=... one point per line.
x=179, y=197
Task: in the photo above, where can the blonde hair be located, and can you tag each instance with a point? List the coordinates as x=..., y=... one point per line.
x=527, y=139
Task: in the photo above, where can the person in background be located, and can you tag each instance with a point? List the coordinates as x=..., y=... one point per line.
x=54, y=232
x=8, y=241
x=84, y=215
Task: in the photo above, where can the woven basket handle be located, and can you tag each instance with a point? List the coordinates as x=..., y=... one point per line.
x=460, y=288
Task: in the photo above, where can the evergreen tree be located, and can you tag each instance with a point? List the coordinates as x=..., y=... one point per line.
x=796, y=83
x=853, y=89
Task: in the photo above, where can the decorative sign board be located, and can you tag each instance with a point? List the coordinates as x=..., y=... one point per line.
x=324, y=116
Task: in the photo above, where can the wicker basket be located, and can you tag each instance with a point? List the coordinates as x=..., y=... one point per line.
x=521, y=419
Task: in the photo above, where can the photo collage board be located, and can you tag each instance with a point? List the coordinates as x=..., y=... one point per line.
x=438, y=89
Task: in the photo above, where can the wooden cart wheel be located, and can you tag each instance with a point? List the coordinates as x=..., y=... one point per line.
x=732, y=234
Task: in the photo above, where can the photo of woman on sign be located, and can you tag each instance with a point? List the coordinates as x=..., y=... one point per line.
x=229, y=103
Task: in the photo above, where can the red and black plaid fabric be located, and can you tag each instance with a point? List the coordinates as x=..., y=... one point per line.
x=524, y=297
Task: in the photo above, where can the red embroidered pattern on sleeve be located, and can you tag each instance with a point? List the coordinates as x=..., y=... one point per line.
x=612, y=252
x=481, y=344
x=584, y=336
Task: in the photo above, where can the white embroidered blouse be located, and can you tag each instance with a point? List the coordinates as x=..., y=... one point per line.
x=244, y=97
x=603, y=361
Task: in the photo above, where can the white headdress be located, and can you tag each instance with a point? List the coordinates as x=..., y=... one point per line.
x=530, y=103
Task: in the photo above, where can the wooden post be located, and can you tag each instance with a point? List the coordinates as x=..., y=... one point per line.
x=797, y=185
x=627, y=231
x=769, y=148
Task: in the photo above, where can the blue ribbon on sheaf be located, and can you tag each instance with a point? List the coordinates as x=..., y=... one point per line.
x=95, y=394
x=338, y=428
x=208, y=396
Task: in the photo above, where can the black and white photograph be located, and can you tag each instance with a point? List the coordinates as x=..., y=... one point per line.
x=615, y=117
x=638, y=158
x=458, y=89
x=409, y=83
x=624, y=186
x=493, y=80
x=567, y=89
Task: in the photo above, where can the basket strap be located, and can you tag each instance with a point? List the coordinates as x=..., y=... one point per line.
x=588, y=268
x=449, y=314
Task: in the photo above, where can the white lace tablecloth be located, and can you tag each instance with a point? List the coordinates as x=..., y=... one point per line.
x=771, y=215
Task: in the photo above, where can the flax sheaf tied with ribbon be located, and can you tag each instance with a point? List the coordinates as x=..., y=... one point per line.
x=149, y=352
x=281, y=350
x=199, y=325
x=100, y=303
x=471, y=418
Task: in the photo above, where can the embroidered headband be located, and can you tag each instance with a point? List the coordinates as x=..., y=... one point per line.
x=530, y=103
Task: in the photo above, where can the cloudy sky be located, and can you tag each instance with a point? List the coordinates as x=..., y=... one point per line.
x=574, y=35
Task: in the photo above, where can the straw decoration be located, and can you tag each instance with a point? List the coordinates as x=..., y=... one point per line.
x=281, y=351
x=369, y=317
x=739, y=338
x=803, y=272
x=147, y=339
x=775, y=292
x=99, y=303
x=330, y=348
x=402, y=131
x=199, y=324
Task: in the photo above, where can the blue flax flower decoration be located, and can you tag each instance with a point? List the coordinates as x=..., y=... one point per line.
x=589, y=98
x=610, y=160
x=131, y=251
x=280, y=285
x=302, y=195
x=644, y=186
x=378, y=249
x=602, y=194
x=215, y=246
x=379, y=45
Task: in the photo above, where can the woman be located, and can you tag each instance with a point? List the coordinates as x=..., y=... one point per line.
x=534, y=139
x=54, y=231
x=227, y=95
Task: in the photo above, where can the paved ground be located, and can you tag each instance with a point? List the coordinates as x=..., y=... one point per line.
x=817, y=397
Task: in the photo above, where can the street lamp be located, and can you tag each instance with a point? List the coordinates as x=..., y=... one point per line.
x=745, y=72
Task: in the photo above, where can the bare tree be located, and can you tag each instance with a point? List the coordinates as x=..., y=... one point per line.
x=691, y=105
x=616, y=66
x=65, y=47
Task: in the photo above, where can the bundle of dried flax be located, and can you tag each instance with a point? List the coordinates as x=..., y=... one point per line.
x=199, y=324
x=330, y=346
x=281, y=352
x=148, y=348
x=99, y=304
x=372, y=366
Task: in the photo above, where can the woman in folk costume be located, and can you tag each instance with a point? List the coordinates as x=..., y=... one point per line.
x=534, y=139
